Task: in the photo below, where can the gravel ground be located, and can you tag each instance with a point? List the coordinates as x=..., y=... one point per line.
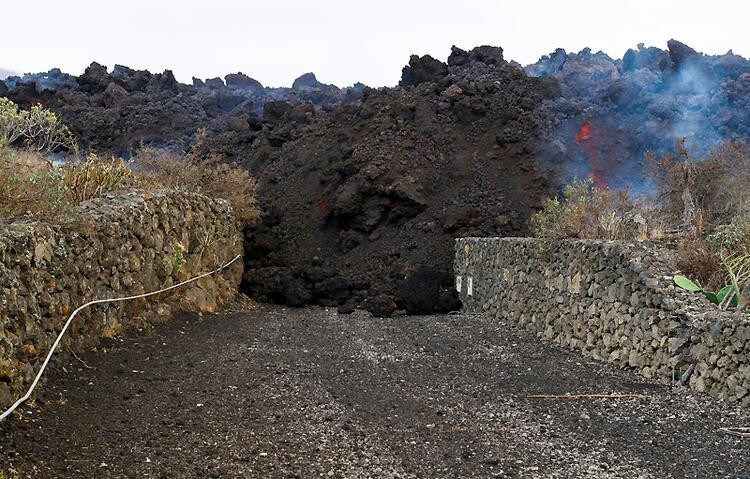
x=271, y=392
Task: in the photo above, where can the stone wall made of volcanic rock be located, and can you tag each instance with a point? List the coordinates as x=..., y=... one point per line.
x=613, y=301
x=125, y=244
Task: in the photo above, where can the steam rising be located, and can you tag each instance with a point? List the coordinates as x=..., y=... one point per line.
x=614, y=111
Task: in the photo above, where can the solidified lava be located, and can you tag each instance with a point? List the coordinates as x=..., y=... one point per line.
x=364, y=190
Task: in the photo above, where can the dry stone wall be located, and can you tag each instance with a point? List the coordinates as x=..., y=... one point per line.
x=124, y=245
x=612, y=301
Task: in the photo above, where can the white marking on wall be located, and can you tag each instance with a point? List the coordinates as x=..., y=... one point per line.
x=459, y=279
x=470, y=286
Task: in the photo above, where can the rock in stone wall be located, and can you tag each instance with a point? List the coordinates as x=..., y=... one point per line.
x=613, y=301
x=126, y=244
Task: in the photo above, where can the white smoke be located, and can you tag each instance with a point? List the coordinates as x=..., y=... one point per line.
x=5, y=73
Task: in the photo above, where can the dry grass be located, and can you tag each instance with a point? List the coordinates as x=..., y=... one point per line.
x=699, y=194
x=95, y=176
x=706, y=202
x=701, y=204
x=32, y=187
x=699, y=259
x=29, y=186
x=211, y=176
x=587, y=211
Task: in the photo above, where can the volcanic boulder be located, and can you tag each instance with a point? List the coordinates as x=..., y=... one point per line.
x=427, y=290
x=241, y=81
x=483, y=54
x=308, y=81
x=422, y=69
x=131, y=80
x=215, y=83
x=94, y=79
x=679, y=52
x=114, y=95
x=381, y=305
x=163, y=82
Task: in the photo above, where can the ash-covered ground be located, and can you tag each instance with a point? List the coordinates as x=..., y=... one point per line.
x=291, y=393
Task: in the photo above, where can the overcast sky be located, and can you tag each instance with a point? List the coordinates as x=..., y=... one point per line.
x=344, y=41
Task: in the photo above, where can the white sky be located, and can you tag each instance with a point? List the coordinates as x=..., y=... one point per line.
x=344, y=41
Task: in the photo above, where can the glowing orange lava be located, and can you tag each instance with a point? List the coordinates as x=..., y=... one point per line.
x=598, y=181
x=584, y=132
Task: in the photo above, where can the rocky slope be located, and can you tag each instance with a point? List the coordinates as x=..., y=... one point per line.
x=362, y=205
x=364, y=190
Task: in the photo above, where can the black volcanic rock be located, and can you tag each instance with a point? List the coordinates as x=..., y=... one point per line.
x=651, y=58
x=487, y=55
x=458, y=57
x=118, y=111
x=275, y=111
x=51, y=80
x=380, y=305
x=375, y=185
x=94, y=79
x=548, y=64
x=484, y=54
x=114, y=95
x=422, y=69
x=367, y=187
x=427, y=290
x=130, y=79
x=163, y=82
x=306, y=82
x=242, y=82
x=679, y=52
x=215, y=83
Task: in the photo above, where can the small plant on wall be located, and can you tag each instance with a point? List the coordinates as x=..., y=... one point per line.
x=731, y=296
x=173, y=263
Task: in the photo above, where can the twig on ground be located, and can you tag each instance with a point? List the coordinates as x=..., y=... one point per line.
x=85, y=365
x=735, y=431
x=582, y=396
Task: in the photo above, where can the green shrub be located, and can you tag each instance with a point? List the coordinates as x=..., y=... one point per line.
x=12, y=122
x=38, y=127
x=173, y=263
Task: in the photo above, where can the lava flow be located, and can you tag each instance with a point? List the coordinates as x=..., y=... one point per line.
x=584, y=132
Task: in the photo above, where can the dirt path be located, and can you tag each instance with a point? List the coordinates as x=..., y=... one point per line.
x=273, y=392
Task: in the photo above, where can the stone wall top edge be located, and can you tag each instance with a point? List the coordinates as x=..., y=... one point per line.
x=109, y=205
x=570, y=241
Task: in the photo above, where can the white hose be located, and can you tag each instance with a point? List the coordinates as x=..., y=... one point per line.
x=98, y=301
